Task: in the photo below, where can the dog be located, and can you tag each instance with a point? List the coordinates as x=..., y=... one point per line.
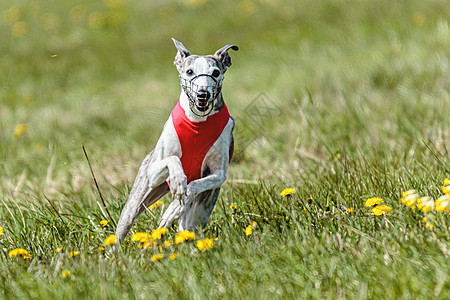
x=192, y=155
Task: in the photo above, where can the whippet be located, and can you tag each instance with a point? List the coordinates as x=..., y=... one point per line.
x=192, y=155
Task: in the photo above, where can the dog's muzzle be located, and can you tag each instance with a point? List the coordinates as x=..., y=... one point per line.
x=199, y=97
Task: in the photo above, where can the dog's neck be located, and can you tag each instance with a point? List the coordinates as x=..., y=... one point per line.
x=184, y=102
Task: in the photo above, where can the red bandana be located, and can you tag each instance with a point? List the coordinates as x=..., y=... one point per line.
x=196, y=138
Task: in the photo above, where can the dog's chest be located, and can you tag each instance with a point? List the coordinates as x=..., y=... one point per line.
x=196, y=138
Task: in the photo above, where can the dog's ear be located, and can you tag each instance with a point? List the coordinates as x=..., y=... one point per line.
x=223, y=57
x=181, y=54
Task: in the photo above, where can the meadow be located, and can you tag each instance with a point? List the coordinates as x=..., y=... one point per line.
x=345, y=102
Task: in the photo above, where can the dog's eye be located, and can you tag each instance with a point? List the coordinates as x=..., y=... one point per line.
x=189, y=72
x=216, y=73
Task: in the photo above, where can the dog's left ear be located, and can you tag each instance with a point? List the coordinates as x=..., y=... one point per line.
x=223, y=57
x=181, y=54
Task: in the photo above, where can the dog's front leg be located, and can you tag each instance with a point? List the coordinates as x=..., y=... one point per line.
x=169, y=168
x=157, y=172
x=177, y=209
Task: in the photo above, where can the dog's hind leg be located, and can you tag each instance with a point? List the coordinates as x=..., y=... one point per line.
x=149, y=186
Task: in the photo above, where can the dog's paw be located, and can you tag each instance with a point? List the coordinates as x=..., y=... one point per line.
x=172, y=214
x=178, y=187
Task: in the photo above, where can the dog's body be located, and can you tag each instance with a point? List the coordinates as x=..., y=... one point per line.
x=195, y=188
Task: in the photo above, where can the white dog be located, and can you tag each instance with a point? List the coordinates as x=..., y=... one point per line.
x=192, y=155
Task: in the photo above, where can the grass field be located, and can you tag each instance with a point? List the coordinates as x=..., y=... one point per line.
x=358, y=98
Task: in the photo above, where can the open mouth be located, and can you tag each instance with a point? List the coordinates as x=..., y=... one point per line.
x=202, y=105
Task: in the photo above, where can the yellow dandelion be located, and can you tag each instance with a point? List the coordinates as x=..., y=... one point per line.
x=1, y=231
x=156, y=204
x=96, y=20
x=20, y=130
x=104, y=223
x=248, y=230
x=443, y=203
x=140, y=237
x=74, y=253
x=110, y=240
x=425, y=219
x=446, y=187
x=233, y=206
x=65, y=273
x=157, y=233
x=381, y=210
x=184, y=236
x=13, y=14
x=157, y=257
x=101, y=249
x=418, y=19
x=349, y=210
x=173, y=256
x=430, y=226
x=143, y=238
x=254, y=224
x=19, y=29
x=373, y=201
x=287, y=192
x=19, y=252
x=204, y=244
x=58, y=249
x=167, y=243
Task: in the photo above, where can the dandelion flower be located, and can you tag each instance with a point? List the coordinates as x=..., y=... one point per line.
x=248, y=230
x=157, y=233
x=381, y=210
x=101, y=249
x=74, y=253
x=173, y=256
x=58, y=249
x=19, y=252
x=430, y=226
x=426, y=204
x=446, y=187
x=143, y=238
x=156, y=204
x=1, y=231
x=184, y=236
x=167, y=243
x=157, y=257
x=287, y=192
x=204, y=244
x=443, y=203
x=233, y=206
x=65, y=273
x=349, y=210
x=110, y=240
x=20, y=130
x=373, y=201
x=104, y=223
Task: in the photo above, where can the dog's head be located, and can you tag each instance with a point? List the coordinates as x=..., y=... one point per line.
x=202, y=76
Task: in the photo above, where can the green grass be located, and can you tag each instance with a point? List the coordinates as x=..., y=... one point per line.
x=361, y=91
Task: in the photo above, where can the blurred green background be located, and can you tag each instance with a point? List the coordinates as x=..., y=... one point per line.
x=100, y=73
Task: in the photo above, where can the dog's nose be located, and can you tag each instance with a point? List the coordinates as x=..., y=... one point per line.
x=203, y=95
